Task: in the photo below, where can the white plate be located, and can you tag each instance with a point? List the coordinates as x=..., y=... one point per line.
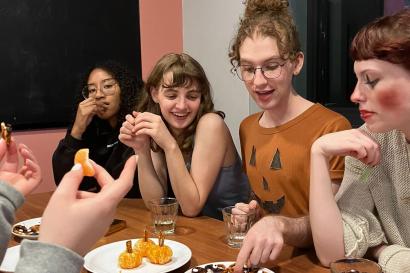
x=104, y=259
x=27, y=223
x=265, y=270
x=10, y=259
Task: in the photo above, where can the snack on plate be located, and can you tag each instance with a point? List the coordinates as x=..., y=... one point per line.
x=221, y=268
x=213, y=268
x=161, y=253
x=81, y=157
x=129, y=258
x=6, y=132
x=20, y=229
x=143, y=245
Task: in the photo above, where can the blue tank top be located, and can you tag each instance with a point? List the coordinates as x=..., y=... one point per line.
x=231, y=186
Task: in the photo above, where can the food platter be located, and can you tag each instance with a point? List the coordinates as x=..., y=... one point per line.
x=104, y=259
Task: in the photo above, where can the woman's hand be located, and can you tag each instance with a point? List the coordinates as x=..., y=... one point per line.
x=129, y=138
x=85, y=113
x=76, y=219
x=25, y=179
x=147, y=123
x=355, y=143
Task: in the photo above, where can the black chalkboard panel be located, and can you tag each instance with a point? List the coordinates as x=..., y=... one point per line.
x=45, y=45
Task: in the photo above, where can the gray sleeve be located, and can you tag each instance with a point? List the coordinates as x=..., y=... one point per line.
x=10, y=200
x=38, y=257
x=361, y=228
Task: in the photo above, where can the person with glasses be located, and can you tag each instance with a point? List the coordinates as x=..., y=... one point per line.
x=275, y=143
x=183, y=145
x=108, y=93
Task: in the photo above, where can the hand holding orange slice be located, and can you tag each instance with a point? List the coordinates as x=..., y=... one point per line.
x=81, y=157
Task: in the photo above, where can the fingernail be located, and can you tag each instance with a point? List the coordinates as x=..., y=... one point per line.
x=76, y=167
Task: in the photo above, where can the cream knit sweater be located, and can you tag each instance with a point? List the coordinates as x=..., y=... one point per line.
x=375, y=203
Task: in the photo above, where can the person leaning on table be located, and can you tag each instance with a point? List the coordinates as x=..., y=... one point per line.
x=184, y=147
x=61, y=244
x=371, y=213
x=276, y=142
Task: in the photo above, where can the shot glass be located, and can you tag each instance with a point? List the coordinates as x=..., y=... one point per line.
x=237, y=225
x=164, y=214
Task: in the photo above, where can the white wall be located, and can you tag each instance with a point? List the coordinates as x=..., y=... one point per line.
x=208, y=28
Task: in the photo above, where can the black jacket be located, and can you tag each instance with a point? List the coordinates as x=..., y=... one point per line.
x=105, y=149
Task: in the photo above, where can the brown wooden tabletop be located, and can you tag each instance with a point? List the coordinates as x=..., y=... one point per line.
x=203, y=235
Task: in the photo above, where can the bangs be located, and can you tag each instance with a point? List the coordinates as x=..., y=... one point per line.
x=180, y=78
x=387, y=39
x=364, y=43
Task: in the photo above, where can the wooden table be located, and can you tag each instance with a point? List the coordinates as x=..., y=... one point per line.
x=203, y=235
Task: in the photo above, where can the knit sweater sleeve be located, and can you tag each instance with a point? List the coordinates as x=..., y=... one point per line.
x=47, y=259
x=395, y=259
x=361, y=227
x=10, y=200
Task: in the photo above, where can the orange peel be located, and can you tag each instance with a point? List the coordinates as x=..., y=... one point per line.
x=81, y=157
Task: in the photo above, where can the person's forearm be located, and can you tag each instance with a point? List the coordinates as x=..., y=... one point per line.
x=325, y=218
x=76, y=133
x=296, y=231
x=149, y=182
x=185, y=189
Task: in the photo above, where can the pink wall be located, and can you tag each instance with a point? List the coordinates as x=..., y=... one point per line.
x=43, y=144
x=161, y=32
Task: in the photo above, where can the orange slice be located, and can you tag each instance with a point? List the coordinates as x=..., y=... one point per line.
x=81, y=156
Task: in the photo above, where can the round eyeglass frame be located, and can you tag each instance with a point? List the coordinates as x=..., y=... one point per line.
x=85, y=94
x=239, y=74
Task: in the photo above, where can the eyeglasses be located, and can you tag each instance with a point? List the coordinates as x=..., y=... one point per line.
x=270, y=71
x=107, y=87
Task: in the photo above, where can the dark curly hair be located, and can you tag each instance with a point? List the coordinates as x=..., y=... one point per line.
x=267, y=18
x=130, y=86
x=186, y=70
x=387, y=38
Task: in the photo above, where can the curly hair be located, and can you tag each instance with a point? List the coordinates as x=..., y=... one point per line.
x=186, y=71
x=387, y=38
x=267, y=18
x=129, y=84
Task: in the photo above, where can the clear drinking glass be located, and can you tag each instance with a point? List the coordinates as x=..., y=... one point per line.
x=164, y=214
x=237, y=225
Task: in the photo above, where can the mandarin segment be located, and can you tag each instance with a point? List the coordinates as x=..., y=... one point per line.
x=81, y=157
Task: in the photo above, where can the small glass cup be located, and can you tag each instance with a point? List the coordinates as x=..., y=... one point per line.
x=237, y=225
x=355, y=265
x=164, y=214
